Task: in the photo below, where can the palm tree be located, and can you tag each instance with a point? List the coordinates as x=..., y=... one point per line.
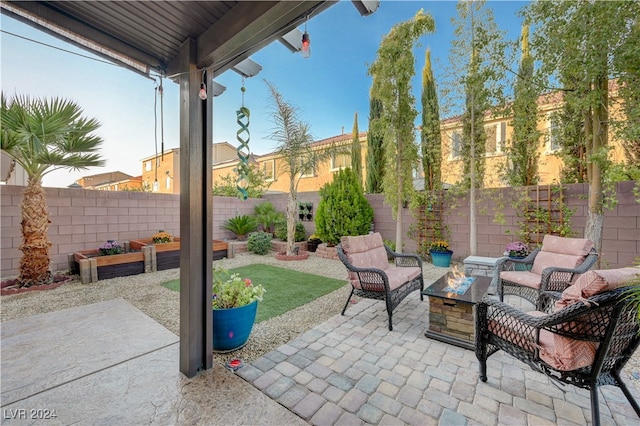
x=298, y=156
x=44, y=135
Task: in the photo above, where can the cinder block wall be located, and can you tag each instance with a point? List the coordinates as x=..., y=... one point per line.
x=82, y=220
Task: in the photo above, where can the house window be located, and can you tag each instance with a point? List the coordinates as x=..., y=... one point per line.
x=491, y=133
x=155, y=186
x=168, y=183
x=456, y=144
x=269, y=169
x=147, y=166
x=496, y=138
x=553, y=133
x=340, y=161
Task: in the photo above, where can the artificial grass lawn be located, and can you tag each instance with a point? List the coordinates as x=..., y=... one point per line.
x=286, y=289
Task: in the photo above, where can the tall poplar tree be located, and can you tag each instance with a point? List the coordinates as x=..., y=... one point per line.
x=375, y=150
x=356, y=151
x=431, y=139
x=580, y=44
x=392, y=71
x=521, y=168
x=478, y=58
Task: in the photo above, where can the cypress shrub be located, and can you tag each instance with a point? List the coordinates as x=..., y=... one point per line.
x=343, y=209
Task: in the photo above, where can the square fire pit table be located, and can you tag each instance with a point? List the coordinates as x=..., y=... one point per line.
x=451, y=315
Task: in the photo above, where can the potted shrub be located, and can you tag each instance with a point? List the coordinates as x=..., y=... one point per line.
x=517, y=250
x=234, y=304
x=241, y=225
x=313, y=242
x=440, y=253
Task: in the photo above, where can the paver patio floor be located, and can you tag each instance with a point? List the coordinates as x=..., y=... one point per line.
x=108, y=363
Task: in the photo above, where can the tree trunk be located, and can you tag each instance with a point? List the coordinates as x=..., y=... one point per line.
x=35, y=262
x=399, y=221
x=292, y=212
x=595, y=144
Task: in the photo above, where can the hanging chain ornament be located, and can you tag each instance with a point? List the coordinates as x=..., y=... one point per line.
x=243, y=137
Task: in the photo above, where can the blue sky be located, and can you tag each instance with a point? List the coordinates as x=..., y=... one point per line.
x=328, y=88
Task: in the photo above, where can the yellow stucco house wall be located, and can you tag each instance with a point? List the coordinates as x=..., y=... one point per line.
x=273, y=166
x=499, y=134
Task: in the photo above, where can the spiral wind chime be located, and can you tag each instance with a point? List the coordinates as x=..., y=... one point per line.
x=243, y=136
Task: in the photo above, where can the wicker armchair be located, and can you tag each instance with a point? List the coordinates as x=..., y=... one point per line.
x=371, y=274
x=585, y=338
x=552, y=267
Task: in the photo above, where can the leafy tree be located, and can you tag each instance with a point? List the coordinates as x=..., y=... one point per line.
x=356, y=151
x=431, y=138
x=581, y=45
x=629, y=90
x=257, y=183
x=522, y=166
x=43, y=135
x=375, y=150
x=392, y=72
x=295, y=150
x=478, y=58
x=343, y=209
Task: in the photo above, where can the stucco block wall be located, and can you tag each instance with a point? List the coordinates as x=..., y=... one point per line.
x=83, y=219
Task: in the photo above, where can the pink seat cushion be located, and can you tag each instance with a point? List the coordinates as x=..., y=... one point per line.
x=524, y=278
x=398, y=276
x=561, y=353
x=561, y=252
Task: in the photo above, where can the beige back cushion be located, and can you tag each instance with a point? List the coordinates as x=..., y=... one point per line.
x=561, y=252
x=366, y=251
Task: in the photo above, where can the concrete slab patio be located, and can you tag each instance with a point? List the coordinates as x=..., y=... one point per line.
x=108, y=363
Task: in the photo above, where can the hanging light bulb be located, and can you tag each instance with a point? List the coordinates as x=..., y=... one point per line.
x=306, y=42
x=306, y=45
x=203, y=92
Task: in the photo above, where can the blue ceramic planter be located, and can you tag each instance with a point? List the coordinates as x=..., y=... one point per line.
x=232, y=327
x=441, y=259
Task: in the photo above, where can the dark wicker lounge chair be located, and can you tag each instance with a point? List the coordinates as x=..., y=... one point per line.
x=373, y=277
x=553, y=267
x=584, y=339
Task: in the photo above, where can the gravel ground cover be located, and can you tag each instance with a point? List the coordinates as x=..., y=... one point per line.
x=145, y=292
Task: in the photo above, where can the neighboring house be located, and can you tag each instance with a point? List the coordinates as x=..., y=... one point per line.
x=11, y=173
x=103, y=181
x=129, y=184
x=499, y=133
x=272, y=165
x=161, y=173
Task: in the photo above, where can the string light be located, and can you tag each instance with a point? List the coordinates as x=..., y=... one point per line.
x=306, y=43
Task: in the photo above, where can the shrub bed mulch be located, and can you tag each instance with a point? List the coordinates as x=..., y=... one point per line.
x=10, y=286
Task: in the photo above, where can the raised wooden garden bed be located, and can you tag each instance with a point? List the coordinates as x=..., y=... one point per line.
x=92, y=266
x=167, y=255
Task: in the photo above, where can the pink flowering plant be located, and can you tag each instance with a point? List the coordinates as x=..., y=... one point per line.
x=232, y=291
x=110, y=247
x=517, y=249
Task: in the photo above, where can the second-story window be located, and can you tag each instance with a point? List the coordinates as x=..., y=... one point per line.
x=553, y=133
x=456, y=144
x=148, y=166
